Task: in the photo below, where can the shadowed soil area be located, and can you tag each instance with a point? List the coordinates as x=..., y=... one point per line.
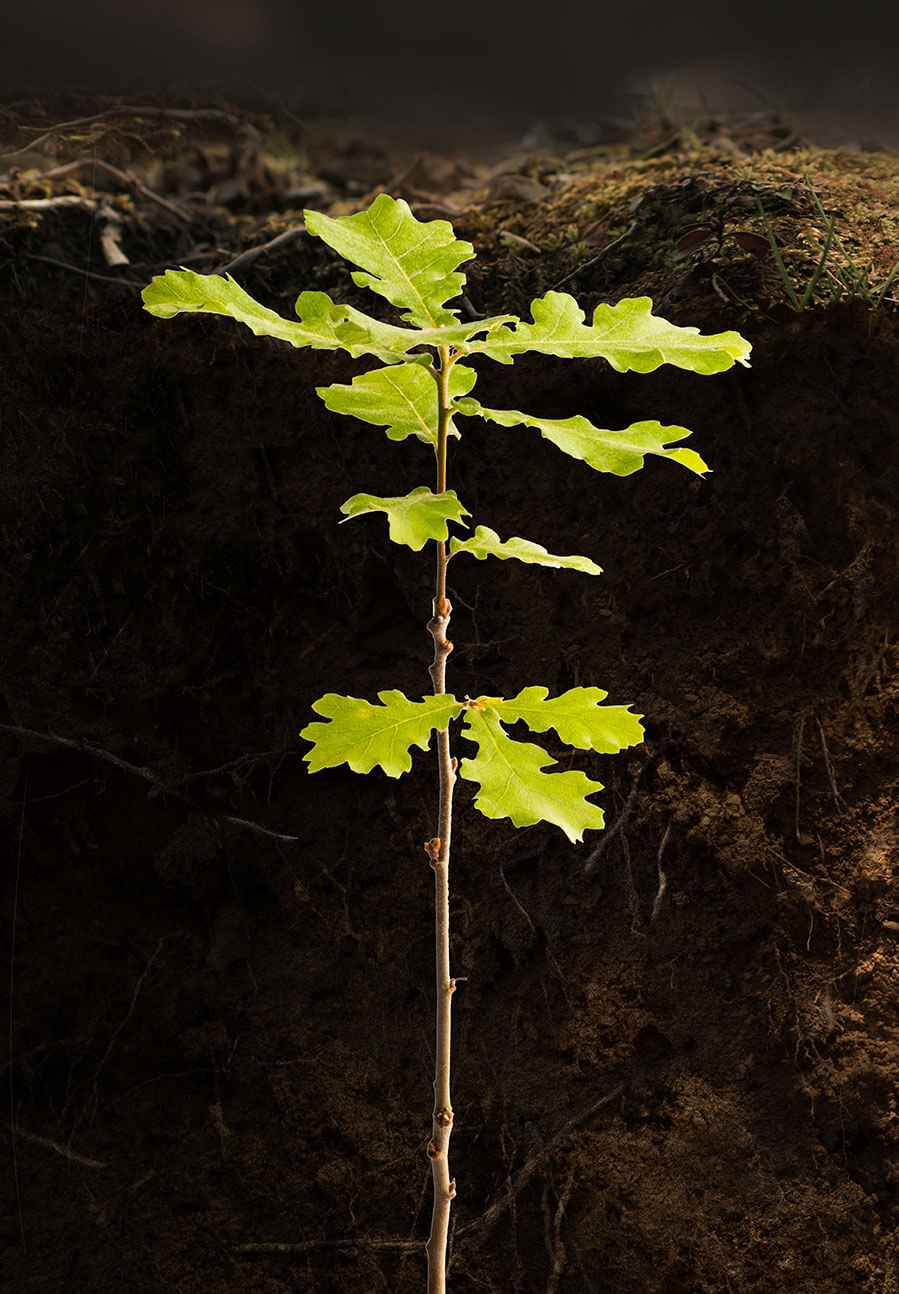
x=676, y=1044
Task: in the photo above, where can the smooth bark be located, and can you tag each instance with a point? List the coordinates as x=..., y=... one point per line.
x=438, y=850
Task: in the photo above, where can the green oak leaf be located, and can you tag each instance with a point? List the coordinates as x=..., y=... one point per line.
x=577, y=717
x=619, y=452
x=366, y=736
x=322, y=324
x=186, y=292
x=402, y=398
x=513, y=784
x=412, y=263
x=414, y=518
x=628, y=335
x=392, y=343
x=486, y=543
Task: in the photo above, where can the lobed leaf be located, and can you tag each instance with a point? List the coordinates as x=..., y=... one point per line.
x=323, y=325
x=511, y=774
x=367, y=736
x=628, y=335
x=414, y=518
x=412, y=263
x=577, y=717
x=391, y=342
x=619, y=452
x=186, y=292
x=487, y=543
x=402, y=398
x=513, y=784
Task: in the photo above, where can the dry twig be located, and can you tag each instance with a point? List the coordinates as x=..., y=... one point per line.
x=831, y=777
x=248, y=257
x=307, y=1246
x=611, y=832
x=127, y=178
x=124, y=177
x=663, y=879
x=516, y=1184
x=599, y=256
x=66, y=1153
x=125, y=110
x=88, y=274
x=87, y=748
x=47, y=204
x=799, y=773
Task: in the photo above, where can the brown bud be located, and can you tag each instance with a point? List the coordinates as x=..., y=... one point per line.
x=443, y=1118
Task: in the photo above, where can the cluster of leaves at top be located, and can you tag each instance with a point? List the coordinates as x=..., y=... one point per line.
x=415, y=266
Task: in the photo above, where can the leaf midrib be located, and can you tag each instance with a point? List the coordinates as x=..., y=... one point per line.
x=398, y=263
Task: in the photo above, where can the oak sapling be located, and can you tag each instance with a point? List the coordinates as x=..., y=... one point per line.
x=423, y=383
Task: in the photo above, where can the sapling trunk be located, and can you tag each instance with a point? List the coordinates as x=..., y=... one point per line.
x=438, y=850
x=414, y=265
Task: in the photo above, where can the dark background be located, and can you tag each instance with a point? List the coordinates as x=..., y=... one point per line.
x=495, y=67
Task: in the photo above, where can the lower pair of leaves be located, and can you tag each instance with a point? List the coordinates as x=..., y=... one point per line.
x=511, y=774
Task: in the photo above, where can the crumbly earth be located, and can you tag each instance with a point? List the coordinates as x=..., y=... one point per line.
x=676, y=1045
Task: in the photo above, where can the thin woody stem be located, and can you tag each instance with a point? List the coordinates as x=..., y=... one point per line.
x=438, y=851
x=443, y=418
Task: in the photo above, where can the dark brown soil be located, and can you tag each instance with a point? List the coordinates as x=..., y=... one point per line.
x=676, y=1048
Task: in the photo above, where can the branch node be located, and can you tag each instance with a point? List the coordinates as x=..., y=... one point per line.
x=443, y=1117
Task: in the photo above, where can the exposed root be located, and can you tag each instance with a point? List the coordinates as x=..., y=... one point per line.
x=65, y=1151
